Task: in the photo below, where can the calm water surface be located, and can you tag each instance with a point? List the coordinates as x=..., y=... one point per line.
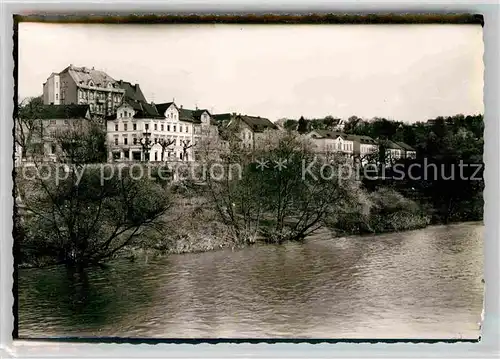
x=420, y=284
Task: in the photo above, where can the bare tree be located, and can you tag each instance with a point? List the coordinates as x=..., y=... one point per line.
x=80, y=215
x=165, y=144
x=186, y=145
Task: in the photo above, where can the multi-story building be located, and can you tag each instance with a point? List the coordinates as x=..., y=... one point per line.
x=134, y=123
x=82, y=85
x=174, y=133
x=328, y=142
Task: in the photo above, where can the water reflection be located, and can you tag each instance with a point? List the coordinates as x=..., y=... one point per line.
x=421, y=284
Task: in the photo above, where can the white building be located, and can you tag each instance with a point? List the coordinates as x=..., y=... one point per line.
x=328, y=142
x=173, y=132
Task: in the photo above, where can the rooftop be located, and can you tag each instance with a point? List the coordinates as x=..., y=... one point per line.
x=54, y=112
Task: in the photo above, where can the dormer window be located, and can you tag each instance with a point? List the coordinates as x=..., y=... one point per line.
x=91, y=83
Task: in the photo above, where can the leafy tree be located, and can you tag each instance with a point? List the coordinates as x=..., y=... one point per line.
x=303, y=126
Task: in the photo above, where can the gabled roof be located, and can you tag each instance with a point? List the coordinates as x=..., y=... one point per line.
x=83, y=76
x=363, y=139
x=405, y=146
x=222, y=117
x=329, y=134
x=393, y=145
x=54, y=112
x=257, y=123
x=132, y=92
x=162, y=107
x=193, y=116
x=143, y=109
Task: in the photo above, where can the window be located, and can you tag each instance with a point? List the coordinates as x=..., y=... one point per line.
x=134, y=126
x=135, y=141
x=162, y=127
x=116, y=127
x=168, y=128
x=174, y=128
x=57, y=96
x=124, y=127
x=156, y=127
x=91, y=95
x=116, y=141
x=126, y=113
x=52, y=122
x=125, y=141
x=187, y=127
x=125, y=154
x=146, y=126
x=156, y=140
x=53, y=148
x=180, y=128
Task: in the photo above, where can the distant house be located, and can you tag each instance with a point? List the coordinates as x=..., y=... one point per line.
x=364, y=148
x=249, y=129
x=327, y=142
x=51, y=120
x=394, y=152
x=409, y=152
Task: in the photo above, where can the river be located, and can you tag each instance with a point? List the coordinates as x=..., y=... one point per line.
x=418, y=284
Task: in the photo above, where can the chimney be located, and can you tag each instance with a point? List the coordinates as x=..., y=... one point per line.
x=136, y=86
x=181, y=107
x=92, y=67
x=234, y=114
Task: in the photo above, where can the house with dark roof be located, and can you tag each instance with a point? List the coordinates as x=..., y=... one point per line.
x=394, y=151
x=54, y=119
x=409, y=152
x=249, y=129
x=365, y=148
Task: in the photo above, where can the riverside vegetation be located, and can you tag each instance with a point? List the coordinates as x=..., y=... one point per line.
x=82, y=221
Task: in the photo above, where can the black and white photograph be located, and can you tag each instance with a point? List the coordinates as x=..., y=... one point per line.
x=259, y=181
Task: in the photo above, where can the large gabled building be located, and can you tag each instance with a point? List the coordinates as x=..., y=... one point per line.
x=84, y=85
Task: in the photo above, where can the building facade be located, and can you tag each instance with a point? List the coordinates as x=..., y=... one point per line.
x=82, y=85
x=156, y=132
x=327, y=142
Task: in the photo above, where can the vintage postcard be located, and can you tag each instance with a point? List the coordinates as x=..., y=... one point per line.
x=232, y=181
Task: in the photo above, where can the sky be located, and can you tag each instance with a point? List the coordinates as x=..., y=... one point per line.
x=402, y=72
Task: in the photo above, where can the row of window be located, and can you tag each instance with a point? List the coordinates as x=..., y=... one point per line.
x=91, y=95
x=155, y=127
x=340, y=147
x=136, y=156
x=135, y=141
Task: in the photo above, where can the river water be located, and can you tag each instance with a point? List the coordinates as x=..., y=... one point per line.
x=418, y=284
